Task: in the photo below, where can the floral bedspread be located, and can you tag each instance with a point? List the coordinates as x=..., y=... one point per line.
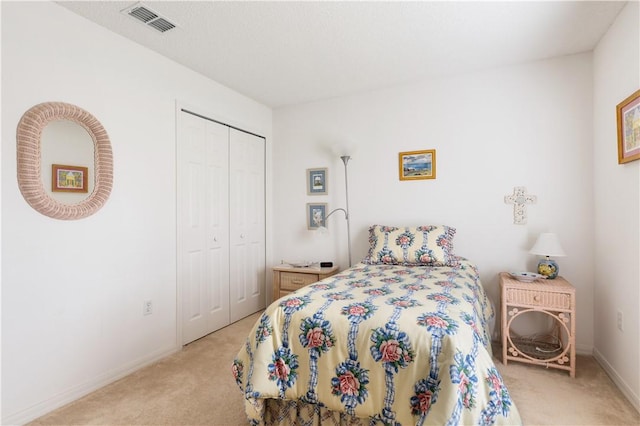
x=397, y=344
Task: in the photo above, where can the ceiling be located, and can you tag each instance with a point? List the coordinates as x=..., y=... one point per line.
x=285, y=53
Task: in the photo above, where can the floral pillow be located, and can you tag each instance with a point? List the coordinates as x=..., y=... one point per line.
x=426, y=245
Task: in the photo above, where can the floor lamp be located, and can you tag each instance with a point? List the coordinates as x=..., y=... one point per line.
x=345, y=159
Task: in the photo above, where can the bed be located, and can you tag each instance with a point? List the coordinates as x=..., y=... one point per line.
x=400, y=338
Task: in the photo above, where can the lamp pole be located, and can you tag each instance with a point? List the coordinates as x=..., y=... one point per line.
x=345, y=159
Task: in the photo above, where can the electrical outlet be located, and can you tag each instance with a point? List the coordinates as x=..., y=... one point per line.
x=147, y=307
x=620, y=321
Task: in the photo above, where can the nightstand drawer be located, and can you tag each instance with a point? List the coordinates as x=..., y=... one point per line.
x=550, y=300
x=291, y=281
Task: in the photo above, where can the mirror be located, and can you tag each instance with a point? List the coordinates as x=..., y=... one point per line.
x=64, y=142
x=60, y=138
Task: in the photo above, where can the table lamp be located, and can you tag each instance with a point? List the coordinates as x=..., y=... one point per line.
x=548, y=245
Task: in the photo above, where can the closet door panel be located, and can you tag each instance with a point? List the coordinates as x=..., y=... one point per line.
x=217, y=219
x=247, y=224
x=193, y=311
x=203, y=232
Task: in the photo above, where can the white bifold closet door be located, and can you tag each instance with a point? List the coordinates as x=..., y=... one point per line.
x=247, y=224
x=221, y=236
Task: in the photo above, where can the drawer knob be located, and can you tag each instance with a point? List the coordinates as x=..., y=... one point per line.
x=298, y=281
x=536, y=298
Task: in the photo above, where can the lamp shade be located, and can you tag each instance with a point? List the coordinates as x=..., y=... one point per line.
x=548, y=244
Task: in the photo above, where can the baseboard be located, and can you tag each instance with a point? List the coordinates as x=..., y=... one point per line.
x=584, y=350
x=76, y=392
x=617, y=379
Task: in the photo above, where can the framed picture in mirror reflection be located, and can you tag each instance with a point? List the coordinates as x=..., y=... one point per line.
x=69, y=178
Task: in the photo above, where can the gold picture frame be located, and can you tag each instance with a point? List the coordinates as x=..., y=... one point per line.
x=417, y=165
x=628, y=120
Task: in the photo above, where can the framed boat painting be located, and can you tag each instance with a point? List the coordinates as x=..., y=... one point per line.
x=417, y=165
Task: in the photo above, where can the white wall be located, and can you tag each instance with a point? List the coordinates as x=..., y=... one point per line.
x=528, y=125
x=617, y=207
x=72, y=291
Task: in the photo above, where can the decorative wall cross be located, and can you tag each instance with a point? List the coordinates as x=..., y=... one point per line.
x=520, y=199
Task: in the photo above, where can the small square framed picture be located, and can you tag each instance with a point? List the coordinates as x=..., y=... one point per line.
x=69, y=178
x=316, y=215
x=417, y=165
x=317, y=181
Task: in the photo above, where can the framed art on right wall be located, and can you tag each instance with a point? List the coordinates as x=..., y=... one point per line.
x=628, y=119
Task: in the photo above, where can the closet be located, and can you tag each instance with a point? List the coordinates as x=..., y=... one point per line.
x=221, y=224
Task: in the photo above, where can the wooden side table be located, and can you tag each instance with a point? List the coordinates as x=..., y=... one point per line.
x=287, y=279
x=556, y=298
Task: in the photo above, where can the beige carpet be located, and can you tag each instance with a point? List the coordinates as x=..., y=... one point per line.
x=195, y=387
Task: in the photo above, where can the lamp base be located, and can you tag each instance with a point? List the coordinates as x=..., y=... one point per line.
x=549, y=268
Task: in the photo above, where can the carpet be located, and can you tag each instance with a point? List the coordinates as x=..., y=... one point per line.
x=195, y=387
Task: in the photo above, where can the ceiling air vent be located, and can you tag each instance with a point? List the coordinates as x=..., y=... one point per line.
x=149, y=17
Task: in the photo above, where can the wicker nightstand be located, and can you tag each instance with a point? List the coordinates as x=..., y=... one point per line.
x=287, y=278
x=556, y=298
